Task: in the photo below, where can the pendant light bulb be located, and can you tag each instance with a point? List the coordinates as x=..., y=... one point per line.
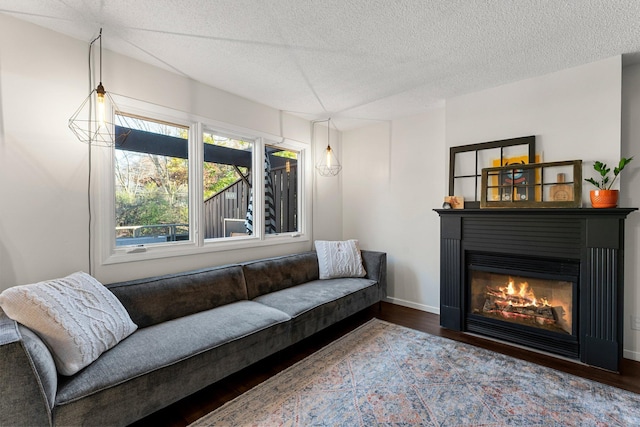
x=329, y=157
x=100, y=107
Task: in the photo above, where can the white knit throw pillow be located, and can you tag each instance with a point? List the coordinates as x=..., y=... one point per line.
x=76, y=316
x=339, y=259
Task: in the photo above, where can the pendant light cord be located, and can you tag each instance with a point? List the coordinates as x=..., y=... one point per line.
x=100, y=37
x=90, y=252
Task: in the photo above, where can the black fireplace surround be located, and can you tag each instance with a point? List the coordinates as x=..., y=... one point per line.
x=582, y=246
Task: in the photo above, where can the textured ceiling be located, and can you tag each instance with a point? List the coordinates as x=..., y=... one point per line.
x=352, y=60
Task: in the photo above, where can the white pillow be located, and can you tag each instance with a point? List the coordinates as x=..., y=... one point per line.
x=339, y=259
x=76, y=316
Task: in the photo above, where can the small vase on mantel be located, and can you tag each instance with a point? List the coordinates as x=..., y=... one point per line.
x=604, y=198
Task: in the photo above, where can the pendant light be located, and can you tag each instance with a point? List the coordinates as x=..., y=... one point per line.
x=93, y=122
x=328, y=164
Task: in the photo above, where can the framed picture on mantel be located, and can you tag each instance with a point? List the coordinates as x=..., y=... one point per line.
x=467, y=161
x=539, y=185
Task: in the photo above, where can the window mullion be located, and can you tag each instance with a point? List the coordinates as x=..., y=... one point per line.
x=302, y=193
x=196, y=167
x=258, y=189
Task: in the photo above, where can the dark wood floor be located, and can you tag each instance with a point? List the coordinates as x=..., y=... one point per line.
x=197, y=405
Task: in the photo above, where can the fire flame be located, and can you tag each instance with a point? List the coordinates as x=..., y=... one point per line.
x=525, y=293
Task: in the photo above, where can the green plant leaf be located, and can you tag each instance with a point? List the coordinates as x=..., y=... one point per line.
x=623, y=162
x=593, y=181
x=601, y=168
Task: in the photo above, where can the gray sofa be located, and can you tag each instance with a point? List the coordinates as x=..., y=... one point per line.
x=194, y=328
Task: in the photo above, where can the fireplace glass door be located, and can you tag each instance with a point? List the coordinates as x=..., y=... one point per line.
x=545, y=304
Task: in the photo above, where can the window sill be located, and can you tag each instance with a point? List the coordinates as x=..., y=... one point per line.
x=151, y=252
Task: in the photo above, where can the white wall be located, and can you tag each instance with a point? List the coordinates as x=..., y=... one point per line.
x=43, y=167
x=392, y=183
x=42, y=170
x=574, y=114
x=630, y=196
x=393, y=178
x=327, y=208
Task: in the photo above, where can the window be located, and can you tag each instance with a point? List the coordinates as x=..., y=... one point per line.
x=151, y=168
x=226, y=184
x=229, y=206
x=281, y=190
x=179, y=184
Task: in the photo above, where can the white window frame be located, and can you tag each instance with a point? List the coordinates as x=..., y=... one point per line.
x=304, y=162
x=105, y=189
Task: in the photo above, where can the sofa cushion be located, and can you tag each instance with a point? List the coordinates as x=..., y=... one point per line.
x=273, y=274
x=157, y=299
x=76, y=316
x=305, y=297
x=319, y=304
x=168, y=343
x=339, y=259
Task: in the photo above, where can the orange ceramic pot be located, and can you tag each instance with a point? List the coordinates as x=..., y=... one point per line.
x=604, y=198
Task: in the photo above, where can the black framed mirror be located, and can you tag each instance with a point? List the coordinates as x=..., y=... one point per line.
x=467, y=161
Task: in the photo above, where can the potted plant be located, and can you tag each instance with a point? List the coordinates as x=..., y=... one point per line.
x=604, y=196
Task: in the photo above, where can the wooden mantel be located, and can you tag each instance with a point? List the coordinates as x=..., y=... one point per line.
x=592, y=237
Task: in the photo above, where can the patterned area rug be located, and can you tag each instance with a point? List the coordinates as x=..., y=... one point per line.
x=383, y=374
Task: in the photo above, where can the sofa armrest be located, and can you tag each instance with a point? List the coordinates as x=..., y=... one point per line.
x=375, y=263
x=28, y=378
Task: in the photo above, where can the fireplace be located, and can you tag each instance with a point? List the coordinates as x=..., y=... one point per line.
x=545, y=304
x=525, y=300
x=547, y=279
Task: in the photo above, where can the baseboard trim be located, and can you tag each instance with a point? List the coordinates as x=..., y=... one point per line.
x=411, y=304
x=633, y=355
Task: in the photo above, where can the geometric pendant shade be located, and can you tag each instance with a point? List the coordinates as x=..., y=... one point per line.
x=328, y=164
x=93, y=122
